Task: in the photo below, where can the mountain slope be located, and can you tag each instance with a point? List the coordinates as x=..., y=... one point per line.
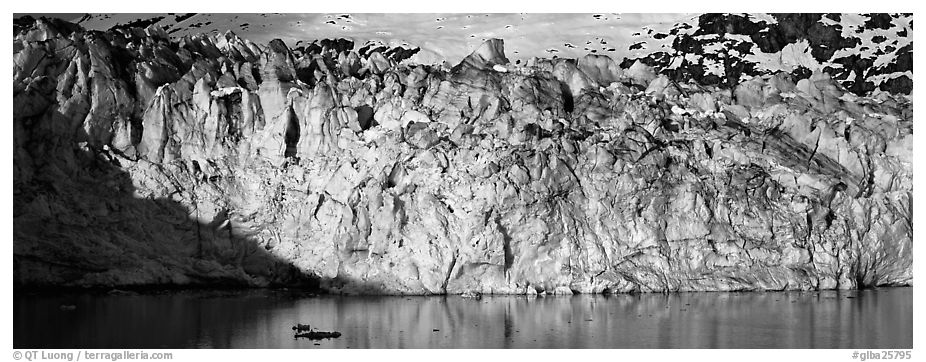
x=863, y=52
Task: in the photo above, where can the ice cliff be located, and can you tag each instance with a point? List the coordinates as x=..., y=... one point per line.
x=145, y=160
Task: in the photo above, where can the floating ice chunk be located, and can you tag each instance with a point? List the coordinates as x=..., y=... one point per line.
x=499, y=68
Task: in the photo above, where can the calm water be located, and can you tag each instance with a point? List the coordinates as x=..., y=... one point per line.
x=262, y=319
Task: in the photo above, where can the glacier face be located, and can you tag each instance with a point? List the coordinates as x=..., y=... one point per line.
x=145, y=160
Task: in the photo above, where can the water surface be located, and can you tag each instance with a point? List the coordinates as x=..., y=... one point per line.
x=868, y=319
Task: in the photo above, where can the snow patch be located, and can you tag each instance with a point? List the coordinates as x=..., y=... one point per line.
x=790, y=57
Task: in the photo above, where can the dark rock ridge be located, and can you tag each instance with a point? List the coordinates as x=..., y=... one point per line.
x=862, y=52
x=142, y=160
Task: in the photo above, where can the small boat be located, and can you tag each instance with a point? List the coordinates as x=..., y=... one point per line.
x=306, y=331
x=316, y=335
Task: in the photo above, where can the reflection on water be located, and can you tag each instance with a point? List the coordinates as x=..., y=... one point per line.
x=869, y=319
